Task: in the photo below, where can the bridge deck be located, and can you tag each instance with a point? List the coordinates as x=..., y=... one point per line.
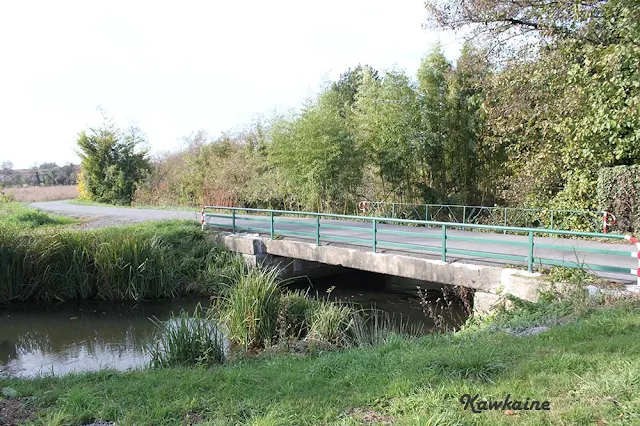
x=429, y=243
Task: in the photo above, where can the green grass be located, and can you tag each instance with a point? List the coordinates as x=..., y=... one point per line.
x=187, y=339
x=589, y=371
x=40, y=261
x=20, y=217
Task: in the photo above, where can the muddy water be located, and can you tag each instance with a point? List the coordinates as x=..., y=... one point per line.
x=88, y=336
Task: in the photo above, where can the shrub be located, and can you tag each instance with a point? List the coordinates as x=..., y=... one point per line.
x=112, y=164
x=619, y=192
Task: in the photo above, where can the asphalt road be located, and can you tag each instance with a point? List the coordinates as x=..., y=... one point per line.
x=561, y=248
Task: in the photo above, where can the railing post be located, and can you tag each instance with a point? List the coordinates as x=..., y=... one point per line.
x=271, y=228
x=426, y=215
x=505, y=220
x=375, y=231
x=552, y=221
x=393, y=210
x=233, y=221
x=318, y=230
x=444, y=243
x=464, y=214
x=530, y=257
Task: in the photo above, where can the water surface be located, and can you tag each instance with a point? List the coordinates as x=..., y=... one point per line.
x=88, y=336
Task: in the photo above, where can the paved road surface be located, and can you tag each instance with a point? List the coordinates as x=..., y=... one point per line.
x=105, y=216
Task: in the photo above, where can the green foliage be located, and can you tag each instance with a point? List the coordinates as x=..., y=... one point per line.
x=113, y=163
x=331, y=323
x=619, y=192
x=187, y=340
x=317, y=155
x=249, y=307
x=166, y=259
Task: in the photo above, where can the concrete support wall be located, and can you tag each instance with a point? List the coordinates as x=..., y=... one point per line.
x=301, y=258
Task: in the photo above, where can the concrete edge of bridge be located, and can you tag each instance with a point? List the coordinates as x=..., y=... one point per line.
x=491, y=284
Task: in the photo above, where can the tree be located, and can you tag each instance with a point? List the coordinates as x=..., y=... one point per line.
x=6, y=172
x=433, y=77
x=113, y=162
x=386, y=116
x=317, y=154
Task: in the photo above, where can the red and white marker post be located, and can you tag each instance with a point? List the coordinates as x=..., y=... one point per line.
x=605, y=220
x=634, y=240
x=202, y=219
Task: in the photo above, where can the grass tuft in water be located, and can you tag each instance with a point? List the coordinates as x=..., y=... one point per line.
x=187, y=340
x=249, y=307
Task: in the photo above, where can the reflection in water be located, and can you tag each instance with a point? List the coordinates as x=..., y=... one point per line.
x=70, y=337
x=92, y=335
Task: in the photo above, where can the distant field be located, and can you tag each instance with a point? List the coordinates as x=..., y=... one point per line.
x=42, y=193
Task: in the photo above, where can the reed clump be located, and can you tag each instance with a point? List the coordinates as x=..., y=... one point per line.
x=257, y=312
x=148, y=261
x=187, y=339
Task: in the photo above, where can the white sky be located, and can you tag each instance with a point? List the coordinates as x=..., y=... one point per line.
x=176, y=67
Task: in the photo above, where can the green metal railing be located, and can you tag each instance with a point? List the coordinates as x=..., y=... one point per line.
x=374, y=232
x=584, y=220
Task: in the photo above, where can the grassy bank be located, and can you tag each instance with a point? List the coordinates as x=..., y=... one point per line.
x=588, y=370
x=40, y=259
x=16, y=216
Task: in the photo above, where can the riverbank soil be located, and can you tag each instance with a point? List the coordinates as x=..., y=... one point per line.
x=15, y=411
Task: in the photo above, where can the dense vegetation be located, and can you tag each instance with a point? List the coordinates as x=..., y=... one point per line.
x=41, y=261
x=619, y=191
x=546, y=96
x=113, y=162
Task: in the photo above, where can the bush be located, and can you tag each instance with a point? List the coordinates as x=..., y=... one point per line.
x=113, y=163
x=619, y=192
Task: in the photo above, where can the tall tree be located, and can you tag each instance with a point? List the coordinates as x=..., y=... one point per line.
x=433, y=76
x=386, y=117
x=317, y=154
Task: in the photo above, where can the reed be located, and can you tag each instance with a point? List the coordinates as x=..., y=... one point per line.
x=249, y=307
x=331, y=323
x=128, y=263
x=186, y=340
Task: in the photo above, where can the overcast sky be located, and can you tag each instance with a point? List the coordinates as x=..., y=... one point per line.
x=176, y=67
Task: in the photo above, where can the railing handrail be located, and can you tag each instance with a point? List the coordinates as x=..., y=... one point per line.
x=426, y=222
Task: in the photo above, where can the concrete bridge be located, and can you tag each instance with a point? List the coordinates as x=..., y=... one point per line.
x=492, y=260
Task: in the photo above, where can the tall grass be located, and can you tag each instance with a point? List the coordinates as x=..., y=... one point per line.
x=250, y=306
x=187, y=340
x=130, y=263
x=42, y=193
x=257, y=313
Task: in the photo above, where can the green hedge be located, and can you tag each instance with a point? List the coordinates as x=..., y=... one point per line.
x=619, y=192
